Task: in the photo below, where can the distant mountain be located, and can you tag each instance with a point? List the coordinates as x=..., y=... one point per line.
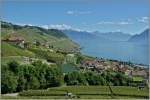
x=114, y=36
x=96, y=36
x=140, y=38
x=83, y=37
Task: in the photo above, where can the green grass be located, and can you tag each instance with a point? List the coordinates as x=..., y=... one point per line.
x=65, y=44
x=12, y=58
x=87, y=92
x=10, y=50
x=137, y=78
x=130, y=91
x=84, y=89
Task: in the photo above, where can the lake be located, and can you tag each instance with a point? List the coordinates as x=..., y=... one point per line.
x=125, y=51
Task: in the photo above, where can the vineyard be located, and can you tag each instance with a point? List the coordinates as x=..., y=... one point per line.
x=86, y=92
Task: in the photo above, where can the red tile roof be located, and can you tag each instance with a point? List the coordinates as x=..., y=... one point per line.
x=12, y=38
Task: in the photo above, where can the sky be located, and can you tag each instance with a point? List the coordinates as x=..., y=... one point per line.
x=128, y=16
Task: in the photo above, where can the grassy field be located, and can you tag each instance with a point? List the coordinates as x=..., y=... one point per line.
x=137, y=78
x=85, y=92
x=8, y=59
x=65, y=44
x=10, y=50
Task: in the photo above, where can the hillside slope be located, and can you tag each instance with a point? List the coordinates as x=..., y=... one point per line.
x=52, y=37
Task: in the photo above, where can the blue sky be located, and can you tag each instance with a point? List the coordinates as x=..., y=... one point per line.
x=129, y=16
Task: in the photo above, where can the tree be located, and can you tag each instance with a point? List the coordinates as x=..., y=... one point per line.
x=79, y=78
x=13, y=66
x=82, y=79
x=79, y=59
x=72, y=78
x=8, y=82
x=27, y=44
x=120, y=79
x=90, y=78
x=29, y=71
x=38, y=43
x=41, y=73
x=42, y=81
x=21, y=83
x=53, y=76
x=16, y=77
x=34, y=83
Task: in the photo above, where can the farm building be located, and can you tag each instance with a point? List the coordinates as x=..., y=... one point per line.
x=14, y=39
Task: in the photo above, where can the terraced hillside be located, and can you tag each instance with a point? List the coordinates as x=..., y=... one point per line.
x=33, y=33
x=49, y=39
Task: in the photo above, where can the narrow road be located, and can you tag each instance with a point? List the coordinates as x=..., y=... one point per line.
x=11, y=94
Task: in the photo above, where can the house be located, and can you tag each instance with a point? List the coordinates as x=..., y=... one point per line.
x=114, y=68
x=14, y=39
x=139, y=73
x=95, y=64
x=128, y=72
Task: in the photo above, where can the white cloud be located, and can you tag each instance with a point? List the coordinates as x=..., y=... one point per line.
x=60, y=27
x=125, y=22
x=105, y=22
x=31, y=25
x=56, y=26
x=71, y=12
x=24, y=24
x=84, y=12
x=44, y=26
x=143, y=19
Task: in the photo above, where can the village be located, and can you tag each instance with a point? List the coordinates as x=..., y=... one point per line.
x=100, y=65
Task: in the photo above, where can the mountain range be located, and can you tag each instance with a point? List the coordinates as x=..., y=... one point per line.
x=109, y=36
x=82, y=36
x=140, y=38
x=114, y=36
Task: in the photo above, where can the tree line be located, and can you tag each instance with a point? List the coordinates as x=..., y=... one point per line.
x=18, y=77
